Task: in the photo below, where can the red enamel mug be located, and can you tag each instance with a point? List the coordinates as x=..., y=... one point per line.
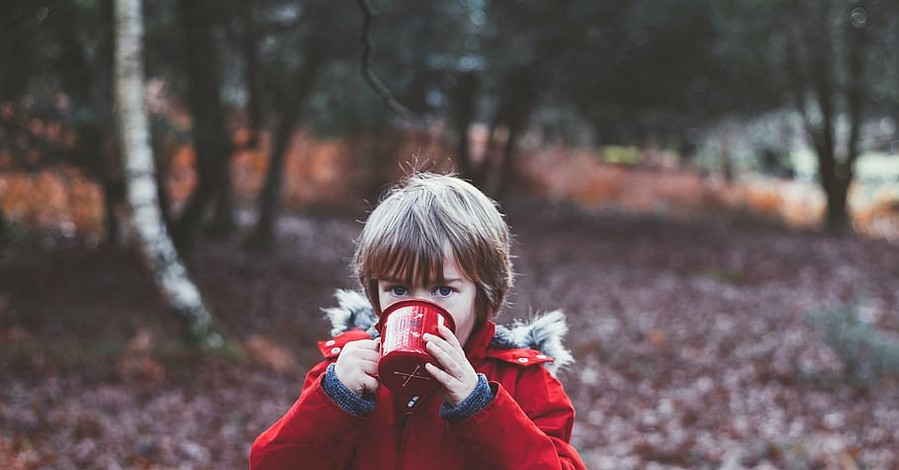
x=403, y=353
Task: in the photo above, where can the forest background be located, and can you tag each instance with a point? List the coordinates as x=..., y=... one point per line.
x=709, y=190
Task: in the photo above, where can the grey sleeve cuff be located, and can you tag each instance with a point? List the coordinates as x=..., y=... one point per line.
x=344, y=397
x=479, y=398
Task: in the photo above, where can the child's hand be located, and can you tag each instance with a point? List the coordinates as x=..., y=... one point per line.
x=357, y=366
x=458, y=377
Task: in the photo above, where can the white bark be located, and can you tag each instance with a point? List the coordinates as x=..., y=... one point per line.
x=159, y=252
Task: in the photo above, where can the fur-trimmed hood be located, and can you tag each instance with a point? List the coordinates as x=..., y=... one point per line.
x=544, y=333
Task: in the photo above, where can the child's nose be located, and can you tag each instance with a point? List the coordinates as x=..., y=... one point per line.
x=421, y=294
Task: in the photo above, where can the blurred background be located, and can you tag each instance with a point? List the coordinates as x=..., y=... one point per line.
x=709, y=189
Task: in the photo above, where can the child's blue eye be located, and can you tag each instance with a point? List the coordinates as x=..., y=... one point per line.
x=443, y=291
x=398, y=291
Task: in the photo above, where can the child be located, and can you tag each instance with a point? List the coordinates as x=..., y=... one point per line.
x=435, y=237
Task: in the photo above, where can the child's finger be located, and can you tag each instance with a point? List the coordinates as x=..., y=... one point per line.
x=370, y=344
x=439, y=374
x=369, y=367
x=439, y=342
x=369, y=383
x=368, y=355
x=448, y=335
x=428, y=337
x=449, y=363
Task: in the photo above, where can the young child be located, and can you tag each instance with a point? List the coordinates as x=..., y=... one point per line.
x=434, y=237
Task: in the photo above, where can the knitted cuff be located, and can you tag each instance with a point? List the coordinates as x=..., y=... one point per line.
x=344, y=397
x=477, y=400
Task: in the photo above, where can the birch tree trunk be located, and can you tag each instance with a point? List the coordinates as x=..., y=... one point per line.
x=169, y=273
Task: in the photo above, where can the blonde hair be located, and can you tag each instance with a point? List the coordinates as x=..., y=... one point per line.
x=406, y=236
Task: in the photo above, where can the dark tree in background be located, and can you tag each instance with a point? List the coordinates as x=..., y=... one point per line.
x=87, y=77
x=318, y=35
x=829, y=61
x=826, y=87
x=52, y=71
x=639, y=73
x=463, y=100
x=249, y=47
x=212, y=142
x=290, y=106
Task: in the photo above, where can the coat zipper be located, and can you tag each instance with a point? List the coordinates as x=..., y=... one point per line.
x=411, y=407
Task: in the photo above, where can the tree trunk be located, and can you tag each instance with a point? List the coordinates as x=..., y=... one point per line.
x=506, y=175
x=159, y=252
x=464, y=100
x=251, y=75
x=263, y=235
x=112, y=199
x=4, y=236
x=291, y=114
x=517, y=101
x=835, y=167
x=17, y=54
x=94, y=155
x=223, y=223
x=377, y=167
x=110, y=174
x=211, y=141
x=837, y=218
x=83, y=75
x=725, y=140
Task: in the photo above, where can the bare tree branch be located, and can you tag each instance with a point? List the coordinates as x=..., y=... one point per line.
x=367, y=51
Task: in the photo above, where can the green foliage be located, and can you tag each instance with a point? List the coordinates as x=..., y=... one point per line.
x=725, y=276
x=13, y=231
x=867, y=354
x=621, y=154
x=173, y=354
x=86, y=4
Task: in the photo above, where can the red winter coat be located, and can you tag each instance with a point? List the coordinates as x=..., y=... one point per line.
x=527, y=425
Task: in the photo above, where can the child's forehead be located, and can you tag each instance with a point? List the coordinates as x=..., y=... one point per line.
x=412, y=272
x=417, y=271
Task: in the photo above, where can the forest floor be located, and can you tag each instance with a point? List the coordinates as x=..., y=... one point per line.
x=700, y=343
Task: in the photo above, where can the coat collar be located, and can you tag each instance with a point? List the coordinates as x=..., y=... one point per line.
x=479, y=341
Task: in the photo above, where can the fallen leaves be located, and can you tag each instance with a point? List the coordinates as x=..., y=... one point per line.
x=138, y=363
x=262, y=351
x=690, y=337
